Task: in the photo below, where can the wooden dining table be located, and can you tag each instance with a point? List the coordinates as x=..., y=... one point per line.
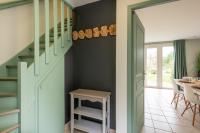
x=195, y=85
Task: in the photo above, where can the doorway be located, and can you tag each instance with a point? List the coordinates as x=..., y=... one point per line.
x=135, y=81
x=158, y=60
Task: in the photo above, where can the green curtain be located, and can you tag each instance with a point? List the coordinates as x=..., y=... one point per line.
x=180, y=69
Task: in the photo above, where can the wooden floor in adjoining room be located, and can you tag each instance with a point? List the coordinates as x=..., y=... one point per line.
x=161, y=116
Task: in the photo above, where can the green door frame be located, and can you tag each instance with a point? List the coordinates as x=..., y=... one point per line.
x=131, y=9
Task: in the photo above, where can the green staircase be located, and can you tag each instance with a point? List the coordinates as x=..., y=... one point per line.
x=11, y=79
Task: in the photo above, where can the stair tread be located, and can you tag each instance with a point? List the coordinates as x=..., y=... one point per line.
x=59, y=27
x=52, y=34
x=7, y=94
x=11, y=128
x=26, y=56
x=43, y=41
x=5, y=113
x=41, y=47
x=8, y=78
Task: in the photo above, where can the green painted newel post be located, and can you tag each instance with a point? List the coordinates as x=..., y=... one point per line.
x=62, y=23
x=47, y=30
x=55, y=14
x=37, y=36
x=68, y=24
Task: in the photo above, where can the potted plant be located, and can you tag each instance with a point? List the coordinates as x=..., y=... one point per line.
x=198, y=65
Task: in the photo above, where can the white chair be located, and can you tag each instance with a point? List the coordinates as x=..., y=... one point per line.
x=191, y=98
x=178, y=94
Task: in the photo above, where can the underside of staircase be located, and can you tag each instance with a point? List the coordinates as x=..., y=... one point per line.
x=10, y=80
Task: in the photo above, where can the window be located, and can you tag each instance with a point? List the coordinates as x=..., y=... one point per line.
x=159, y=65
x=167, y=66
x=151, y=68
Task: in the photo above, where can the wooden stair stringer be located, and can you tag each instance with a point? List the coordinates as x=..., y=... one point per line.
x=33, y=82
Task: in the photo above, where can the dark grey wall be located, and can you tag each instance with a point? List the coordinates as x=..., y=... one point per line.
x=69, y=80
x=94, y=59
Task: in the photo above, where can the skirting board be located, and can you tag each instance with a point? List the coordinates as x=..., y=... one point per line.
x=67, y=129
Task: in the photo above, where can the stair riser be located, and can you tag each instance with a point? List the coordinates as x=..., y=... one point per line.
x=12, y=72
x=43, y=41
x=3, y=71
x=41, y=51
x=28, y=60
x=8, y=86
x=7, y=121
x=8, y=103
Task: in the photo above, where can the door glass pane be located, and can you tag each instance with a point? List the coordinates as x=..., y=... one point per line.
x=167, y=66
x=151, y=67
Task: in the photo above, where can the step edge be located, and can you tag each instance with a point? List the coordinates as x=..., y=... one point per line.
x=7, y=94
x=12, y=128
x=6, y=113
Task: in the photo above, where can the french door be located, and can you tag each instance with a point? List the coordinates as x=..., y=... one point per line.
x=159, y=65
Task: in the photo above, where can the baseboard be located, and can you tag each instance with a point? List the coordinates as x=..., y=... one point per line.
x=67, y=129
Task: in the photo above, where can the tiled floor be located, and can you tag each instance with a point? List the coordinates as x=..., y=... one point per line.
x=161, y=116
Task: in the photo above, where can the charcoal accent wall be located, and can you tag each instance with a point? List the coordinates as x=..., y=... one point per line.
x=69, y=80
x=94, y=59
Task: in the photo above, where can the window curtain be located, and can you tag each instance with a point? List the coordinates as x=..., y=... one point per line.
x=180, y=69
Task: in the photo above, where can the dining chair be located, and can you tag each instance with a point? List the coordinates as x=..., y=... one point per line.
x=191, y=98
x=178, y=93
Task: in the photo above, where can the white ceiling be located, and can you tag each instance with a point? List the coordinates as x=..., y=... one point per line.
x=76, y=3
x=171, y=21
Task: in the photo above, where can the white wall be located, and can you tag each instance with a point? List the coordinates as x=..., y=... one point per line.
x=17, y=28
x=121, y=64
x=5, y=1
x=192, y=50
x=176, y=21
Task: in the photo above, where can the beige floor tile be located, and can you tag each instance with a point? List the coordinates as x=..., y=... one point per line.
x=148, y=123
x=181, y=129
x=180, y=121
x=147, y=110
x=162, y=126
x=157, y=107
x=156, y=111
x=147, y=116
x=167, y=109
x=171, y=114
x=158, y=118
x=146, y=129
x=164, y=116
x=161, y=131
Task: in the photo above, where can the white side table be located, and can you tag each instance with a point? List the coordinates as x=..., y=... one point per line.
x=103, y=115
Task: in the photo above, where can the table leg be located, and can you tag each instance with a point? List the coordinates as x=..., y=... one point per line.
x=79, y=105
x=72, y=114
x=104, y=115
x=108, y=114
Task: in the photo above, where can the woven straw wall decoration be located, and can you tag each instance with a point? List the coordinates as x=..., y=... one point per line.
x=81, y=34
x=88, y=33
x=96, y=32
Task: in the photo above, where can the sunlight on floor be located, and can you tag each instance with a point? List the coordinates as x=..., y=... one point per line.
x=161, y=116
